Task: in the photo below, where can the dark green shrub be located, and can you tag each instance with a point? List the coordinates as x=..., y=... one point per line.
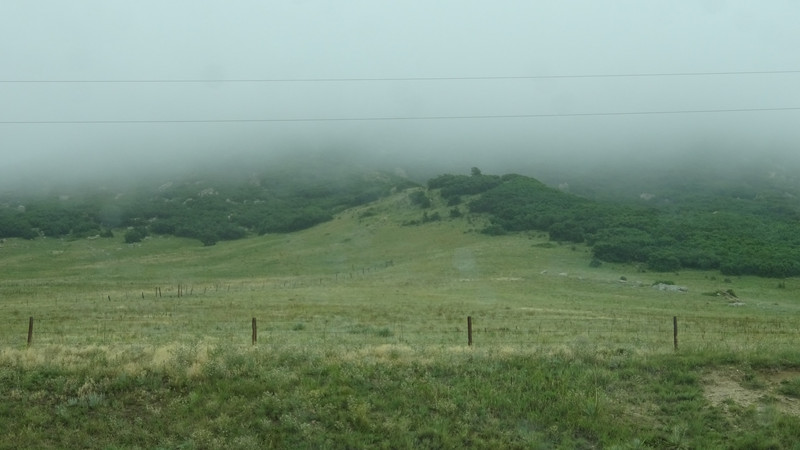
x=456, y=185
x=454, y=200
x=566, y=231
x=494, y=230
x=435, y=217
x=662, y=261
x=135, y=235
x=420, y=199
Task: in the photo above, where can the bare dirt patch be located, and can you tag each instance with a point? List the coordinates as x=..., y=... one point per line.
x=761, y=389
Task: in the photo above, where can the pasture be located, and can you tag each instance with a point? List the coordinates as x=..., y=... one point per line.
x=362, y=342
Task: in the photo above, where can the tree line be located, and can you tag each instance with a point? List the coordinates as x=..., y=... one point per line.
x=754, y=236
x=204, y=208
x=736, y=230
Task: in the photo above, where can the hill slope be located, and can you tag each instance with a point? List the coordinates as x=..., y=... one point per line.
x=738, y=228
x=209, y=206
x=754, y=236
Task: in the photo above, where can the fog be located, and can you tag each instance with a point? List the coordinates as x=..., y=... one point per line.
x=114, y=89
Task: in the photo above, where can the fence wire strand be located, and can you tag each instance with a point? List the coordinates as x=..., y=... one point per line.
x=496, y=331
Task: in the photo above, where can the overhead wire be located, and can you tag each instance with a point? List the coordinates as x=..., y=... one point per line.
x=395, y=79
x=401, y=79
x=397, y=118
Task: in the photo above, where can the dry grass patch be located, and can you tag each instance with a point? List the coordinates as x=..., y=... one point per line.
x=730, y=386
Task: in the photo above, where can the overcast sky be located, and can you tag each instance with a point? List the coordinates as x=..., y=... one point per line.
x=116, y=40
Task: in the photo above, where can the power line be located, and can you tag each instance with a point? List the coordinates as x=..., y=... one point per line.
x=395, y=79
x=395, y=118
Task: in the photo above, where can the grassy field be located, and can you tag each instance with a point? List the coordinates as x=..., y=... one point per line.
x=362, y=342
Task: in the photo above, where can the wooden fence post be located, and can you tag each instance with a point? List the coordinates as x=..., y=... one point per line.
x=255, y=331
x=469, y=330
x=30, y=331
x=675, y=331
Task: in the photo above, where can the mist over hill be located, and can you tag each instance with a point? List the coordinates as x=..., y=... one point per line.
x=739, y=219
x=210, y=204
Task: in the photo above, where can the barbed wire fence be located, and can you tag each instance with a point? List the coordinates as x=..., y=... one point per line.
x=650, y=332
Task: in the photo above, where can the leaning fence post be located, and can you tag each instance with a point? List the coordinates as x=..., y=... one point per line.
x=255, y=331
x=675, y=331
x=30, y=331
x=469, y=330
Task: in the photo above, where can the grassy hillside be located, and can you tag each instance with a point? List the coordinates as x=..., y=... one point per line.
x=701, y=229
x=362, y=342
x=207, y=205
x=739, y=224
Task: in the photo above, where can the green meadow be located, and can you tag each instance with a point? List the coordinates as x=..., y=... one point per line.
x=362, y=342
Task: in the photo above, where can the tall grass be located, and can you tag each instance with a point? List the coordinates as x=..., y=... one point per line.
x=199, y=395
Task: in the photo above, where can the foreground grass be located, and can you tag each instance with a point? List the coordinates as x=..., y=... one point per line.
x=198, y=396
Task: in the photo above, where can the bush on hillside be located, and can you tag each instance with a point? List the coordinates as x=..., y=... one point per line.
x=135, y=235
